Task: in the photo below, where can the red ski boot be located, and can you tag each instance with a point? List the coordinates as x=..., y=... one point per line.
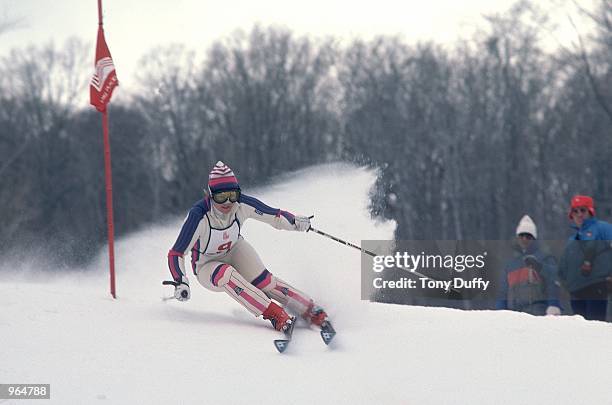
x=315, y=314
x=277, y=315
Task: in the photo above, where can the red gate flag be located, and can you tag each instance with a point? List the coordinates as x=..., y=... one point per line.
x=104, y=79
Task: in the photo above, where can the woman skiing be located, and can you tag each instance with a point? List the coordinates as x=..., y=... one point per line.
x=222, y=260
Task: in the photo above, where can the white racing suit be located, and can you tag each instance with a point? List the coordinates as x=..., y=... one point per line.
x=222, y=260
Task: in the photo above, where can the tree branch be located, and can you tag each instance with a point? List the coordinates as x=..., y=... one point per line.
x=601, y=99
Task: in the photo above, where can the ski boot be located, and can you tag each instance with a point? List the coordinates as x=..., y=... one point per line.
x=315, y=315
x=280, y=320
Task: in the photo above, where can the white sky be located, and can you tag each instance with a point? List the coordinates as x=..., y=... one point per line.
x=133, y=27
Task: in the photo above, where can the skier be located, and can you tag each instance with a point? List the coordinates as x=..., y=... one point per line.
x=222, y=260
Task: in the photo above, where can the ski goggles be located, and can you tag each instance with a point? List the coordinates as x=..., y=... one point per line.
x=223, y=196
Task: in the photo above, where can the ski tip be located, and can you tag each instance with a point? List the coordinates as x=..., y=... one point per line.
x=327, y=336
x=327, y=332
x=281, y=345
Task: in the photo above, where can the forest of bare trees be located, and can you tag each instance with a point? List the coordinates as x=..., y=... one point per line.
x=467, y=137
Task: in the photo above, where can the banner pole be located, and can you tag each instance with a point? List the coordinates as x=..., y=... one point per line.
x=109, y=185
x=109, y=202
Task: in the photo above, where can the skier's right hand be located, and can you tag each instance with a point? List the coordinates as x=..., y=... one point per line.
x=302, y=224
x=182, y=291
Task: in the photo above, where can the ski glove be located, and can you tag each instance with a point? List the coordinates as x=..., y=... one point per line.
x=302, y=224
x=182, y=292
x=553, y=310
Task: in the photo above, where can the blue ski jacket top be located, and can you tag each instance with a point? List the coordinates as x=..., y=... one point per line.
x=591, y=242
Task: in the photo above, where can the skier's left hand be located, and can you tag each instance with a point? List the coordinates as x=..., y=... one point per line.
x=182, y=291
x=302, y=224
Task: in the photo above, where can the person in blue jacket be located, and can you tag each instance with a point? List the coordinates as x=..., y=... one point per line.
x=586, y=265
x=529, y=280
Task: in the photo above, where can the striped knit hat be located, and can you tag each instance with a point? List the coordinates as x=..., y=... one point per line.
x=221, y=178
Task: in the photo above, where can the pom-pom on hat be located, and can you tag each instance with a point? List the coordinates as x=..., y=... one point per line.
x=526, y=225
x=222, y=178
x=582, y=201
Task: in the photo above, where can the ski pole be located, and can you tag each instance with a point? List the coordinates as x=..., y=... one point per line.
x=342, y=241
x=372, y=254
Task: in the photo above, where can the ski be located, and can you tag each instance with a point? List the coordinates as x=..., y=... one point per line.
x=327, y=332
x=282, y=344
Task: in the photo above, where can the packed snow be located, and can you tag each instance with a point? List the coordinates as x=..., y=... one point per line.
x=65, y=329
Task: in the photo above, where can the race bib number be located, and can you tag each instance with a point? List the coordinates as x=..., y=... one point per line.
x=224, y=248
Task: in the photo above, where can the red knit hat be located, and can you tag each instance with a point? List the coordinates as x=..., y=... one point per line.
x=582, y=201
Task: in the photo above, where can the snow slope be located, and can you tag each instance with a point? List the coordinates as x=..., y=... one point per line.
x=138, y=349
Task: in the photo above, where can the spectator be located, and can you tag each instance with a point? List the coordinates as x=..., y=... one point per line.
x=586, y=265
x=528, y=282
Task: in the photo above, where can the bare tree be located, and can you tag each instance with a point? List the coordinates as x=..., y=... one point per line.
x=167, y=99
x=38, y=96
x=269, y=94
x=596, y=66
